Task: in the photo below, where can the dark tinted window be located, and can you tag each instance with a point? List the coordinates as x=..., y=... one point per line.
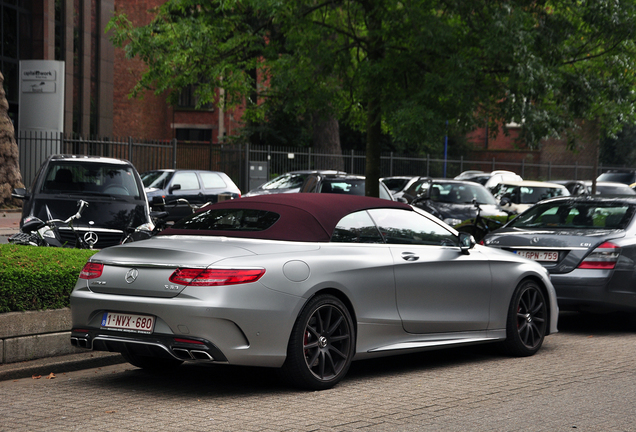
x=620, y=177
x=156, y=179
x=348, y=186
x=286, y=181
x=579, y=215
x=87, y=177
x=396, y=184
x=614, y=190
x=409, y=227
x=460, y=193
x=229, y=220
x=357, y=228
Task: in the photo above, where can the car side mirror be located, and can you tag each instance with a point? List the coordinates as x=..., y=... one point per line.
x=174, y=188
x=466, y=242
x=505, y=201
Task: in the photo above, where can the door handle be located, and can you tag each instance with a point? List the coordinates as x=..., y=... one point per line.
x=409, y=256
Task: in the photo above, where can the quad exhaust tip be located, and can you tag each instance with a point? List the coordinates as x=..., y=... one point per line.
x=80, y=342
x=186, y=354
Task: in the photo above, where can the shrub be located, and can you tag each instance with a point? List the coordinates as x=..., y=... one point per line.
x=37, y=278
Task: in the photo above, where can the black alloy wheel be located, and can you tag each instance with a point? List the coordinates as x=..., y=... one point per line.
x=527, y=320
x=321, y=345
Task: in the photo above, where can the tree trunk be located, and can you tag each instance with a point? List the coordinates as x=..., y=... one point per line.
x=10, y=177
x=326, y=141
x=374, y=101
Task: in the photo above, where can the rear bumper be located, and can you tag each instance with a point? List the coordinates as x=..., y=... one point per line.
x=595, y=290
x=160, y=346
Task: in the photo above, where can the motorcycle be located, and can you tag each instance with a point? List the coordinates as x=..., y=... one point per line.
x=36, y=232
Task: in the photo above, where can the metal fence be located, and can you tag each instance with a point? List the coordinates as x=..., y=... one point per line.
x=236, y=159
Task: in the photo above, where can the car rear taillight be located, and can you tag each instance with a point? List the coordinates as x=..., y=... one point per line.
x=91, y=270
x=603, y=257
x=215, y=277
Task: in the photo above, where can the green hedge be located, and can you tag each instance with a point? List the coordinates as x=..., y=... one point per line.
x=37, y=278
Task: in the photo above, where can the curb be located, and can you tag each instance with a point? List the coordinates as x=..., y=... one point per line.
x=58, y=365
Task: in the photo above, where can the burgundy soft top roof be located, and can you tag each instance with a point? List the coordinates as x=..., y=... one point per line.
x=303, y=216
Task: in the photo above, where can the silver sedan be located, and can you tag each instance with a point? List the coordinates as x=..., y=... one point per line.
x=307, y=283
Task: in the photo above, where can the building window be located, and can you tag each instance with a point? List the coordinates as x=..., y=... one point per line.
x=193, y=134
x=189, y=100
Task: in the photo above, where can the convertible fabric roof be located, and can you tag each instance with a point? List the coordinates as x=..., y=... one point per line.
x=308, y=217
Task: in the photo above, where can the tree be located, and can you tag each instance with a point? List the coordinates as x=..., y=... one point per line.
x=408, y=67
x=10, y=177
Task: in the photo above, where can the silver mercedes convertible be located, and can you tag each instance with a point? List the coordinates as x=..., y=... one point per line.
x=307, y=283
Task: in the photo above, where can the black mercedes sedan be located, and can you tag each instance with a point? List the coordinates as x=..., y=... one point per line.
x=117, y=204
x=588, y=245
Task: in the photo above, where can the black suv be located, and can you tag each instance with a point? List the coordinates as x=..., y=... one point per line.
x=342, y=184
x=167, y=188
x=117, y=204
x=620, y=176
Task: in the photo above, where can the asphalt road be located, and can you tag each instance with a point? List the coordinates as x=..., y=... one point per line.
x=583, y=379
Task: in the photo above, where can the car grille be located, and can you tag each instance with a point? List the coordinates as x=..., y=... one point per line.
x=105, y=238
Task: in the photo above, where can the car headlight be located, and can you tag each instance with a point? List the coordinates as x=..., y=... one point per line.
x=46, y=232
x=452, y=221
x=148, y=226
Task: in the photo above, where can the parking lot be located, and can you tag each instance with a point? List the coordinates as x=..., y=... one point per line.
x=583, y=379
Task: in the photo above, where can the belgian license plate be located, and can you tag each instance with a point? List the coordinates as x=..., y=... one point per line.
x=539, y=255
x=128, y=322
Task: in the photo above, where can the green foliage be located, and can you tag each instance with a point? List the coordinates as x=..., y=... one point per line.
x=37, y=278
x=619, y=150
x=414, y=70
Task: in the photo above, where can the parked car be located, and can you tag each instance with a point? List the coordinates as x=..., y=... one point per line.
x=290, y=182
x=307, y=283
x=518, y=196
x=584, y=187
x=491, y=179
x=167, y=186
x=453, y=201
x=411, y=190
x=470, y=174
x=397, y=183
x=627, y=176
x=587, y=243
x=348, y=184
x=497, y=177
x=116, y=200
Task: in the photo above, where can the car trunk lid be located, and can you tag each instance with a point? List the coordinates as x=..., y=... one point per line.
x=144, y=268
x=559, y=250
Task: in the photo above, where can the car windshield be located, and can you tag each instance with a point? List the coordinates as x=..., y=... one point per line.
x=529, y=194
x=614, y=190
x=286, y=181
x=228, y=220
x=87, y=177
x=396, y=184
x=156, y=179
x=576, y=214
x=343, y=186
x=460, y=193
x=620, y=177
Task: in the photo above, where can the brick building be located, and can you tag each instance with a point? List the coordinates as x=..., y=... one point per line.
x=547, y=162
x=98, y=77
